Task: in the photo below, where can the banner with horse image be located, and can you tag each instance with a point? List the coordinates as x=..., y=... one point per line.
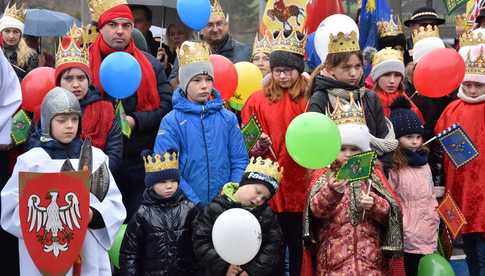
x=283, y=15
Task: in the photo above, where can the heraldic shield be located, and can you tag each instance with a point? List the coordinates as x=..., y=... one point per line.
x=54, y=214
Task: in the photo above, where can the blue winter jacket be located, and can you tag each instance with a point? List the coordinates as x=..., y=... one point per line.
x=210, y=145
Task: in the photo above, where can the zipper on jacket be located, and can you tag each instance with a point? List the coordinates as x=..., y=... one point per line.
x=206, y=152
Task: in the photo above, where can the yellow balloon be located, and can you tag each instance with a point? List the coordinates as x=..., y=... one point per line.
x=249, y=80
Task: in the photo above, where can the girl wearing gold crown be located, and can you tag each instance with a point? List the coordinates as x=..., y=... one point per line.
x=466, y=183
x=350, y=227
x=261, y=53
x=22, y=58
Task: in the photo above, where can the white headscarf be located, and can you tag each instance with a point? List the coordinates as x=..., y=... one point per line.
x=10, y=98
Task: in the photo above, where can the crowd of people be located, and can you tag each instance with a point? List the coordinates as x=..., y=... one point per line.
x=186, y=161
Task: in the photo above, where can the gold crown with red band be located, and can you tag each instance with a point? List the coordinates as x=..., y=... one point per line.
x=475, y=66
x=289, y=43
x=14, y=12
x=98, y=7
x=72, y=48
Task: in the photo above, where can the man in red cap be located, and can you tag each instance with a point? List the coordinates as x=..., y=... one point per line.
x=145, y=108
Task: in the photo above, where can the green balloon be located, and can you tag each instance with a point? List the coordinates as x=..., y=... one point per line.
x=313, y=140
x=114, y=251
x=434, y=265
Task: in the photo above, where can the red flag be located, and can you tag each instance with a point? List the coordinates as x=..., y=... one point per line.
x=451, y=215
x=317, y=10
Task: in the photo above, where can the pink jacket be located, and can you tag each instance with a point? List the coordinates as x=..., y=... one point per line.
x=414, y=186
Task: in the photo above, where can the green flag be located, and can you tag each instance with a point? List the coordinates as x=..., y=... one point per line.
x=20, y=127
x=120, y=114
x=452, y=5
x=357, y=167
x=251, y=132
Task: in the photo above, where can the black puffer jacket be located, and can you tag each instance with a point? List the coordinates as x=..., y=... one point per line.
x=158, y=237
x=374, y=113
x=266, y=262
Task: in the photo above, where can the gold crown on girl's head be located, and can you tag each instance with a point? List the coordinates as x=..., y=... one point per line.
x=470, y=39
x=290, y=43
x=265, y=166
x=351, y=113
x=425, y=32
x=477, y=65
x=72, y=47
x=343, y=43
x=387, y=53
x=389, y=28
x=155, y=163
x=262, y=45
x=12, y=11
x=192, y=52
x=216, y=9
x=98, y=7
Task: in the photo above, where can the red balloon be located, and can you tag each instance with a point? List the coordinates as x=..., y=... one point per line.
x=439, y=72
x=35, y=86
x=225, y=76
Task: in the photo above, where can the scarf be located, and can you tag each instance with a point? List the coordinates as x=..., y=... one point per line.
x=468, y=99
x=416, y=158
x=97, y=120
x=147, y=95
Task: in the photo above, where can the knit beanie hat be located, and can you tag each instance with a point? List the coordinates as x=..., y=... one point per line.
x=193, y=61
x=286, y=59
x=385, y=61
x=404, y=120
x=160, y=168
x=355, y=135
x=263, y=171
x=13, y=17
x=288, y=50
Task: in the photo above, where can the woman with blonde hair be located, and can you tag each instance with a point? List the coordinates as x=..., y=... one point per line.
x=21, y=57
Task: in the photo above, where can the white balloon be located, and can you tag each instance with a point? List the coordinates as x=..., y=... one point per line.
x=236, y=236
x=332, y=25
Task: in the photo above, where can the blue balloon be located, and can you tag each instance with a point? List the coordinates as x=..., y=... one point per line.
x=120, y=75
x=194, y=13
x=313, y=59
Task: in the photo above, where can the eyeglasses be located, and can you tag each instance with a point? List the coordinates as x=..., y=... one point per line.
x=286, y=71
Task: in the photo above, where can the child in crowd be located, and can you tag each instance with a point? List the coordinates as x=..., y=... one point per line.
x=60, y=140
x=259, y=183
x=351, y=224
x=158, y=236
x=412, y=180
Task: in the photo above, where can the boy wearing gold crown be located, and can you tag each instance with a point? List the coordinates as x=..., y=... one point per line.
x=206, y=135
x=98, y=121
x=22, y=58
x=466, y=183
x=158, y=237
x=60, y=116
x=259, y=183
x=350, y=224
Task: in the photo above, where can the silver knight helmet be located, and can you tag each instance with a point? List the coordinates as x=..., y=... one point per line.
x=57, y=101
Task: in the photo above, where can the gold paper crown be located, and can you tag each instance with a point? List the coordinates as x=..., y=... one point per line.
x=216, y=9
x=462, y=21
x=425, y=32
x=192, y=52
x=155, y=163
x=476, y=66
x=470, y=39
x=289, y=43
x=261, y=46
x=351, y=113
x=14, y=12
x=72, y=48
x=389, y=28
x=265, y=166
x=387, y=53
x=342, y=43
x=98, y=7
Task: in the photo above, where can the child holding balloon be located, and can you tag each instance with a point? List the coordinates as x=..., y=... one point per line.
x=413, y=182
x=259, y=183
x=158, y=236
x=352, y=224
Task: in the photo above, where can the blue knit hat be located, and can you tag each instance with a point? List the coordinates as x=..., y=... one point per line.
x=160, y=168
x=404, y=120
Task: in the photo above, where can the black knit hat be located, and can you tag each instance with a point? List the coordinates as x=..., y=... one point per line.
x=159, y=168
x=286, y=59
x=404, y=120
x=259, y=178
